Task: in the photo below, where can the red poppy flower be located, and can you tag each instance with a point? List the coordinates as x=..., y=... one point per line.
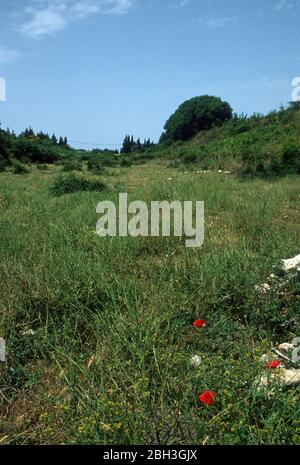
x=273, y=364
x=199, y=323
x=207, y=397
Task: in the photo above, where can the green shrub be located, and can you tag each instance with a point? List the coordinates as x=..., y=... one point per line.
x=3, y=164
x=71, y=165
x=291, y=158
x=109, y=161
x=126, y=163
x=68, y=184
x=95, y=164
x=18, y=168
x=42, y=167
x=97, y=170
x=35, y=151
x=189, y=157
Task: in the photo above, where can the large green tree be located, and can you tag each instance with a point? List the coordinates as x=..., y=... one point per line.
x=194, y=115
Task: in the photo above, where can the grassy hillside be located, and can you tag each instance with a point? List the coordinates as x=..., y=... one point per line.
x=99, y=331
x=259, y=145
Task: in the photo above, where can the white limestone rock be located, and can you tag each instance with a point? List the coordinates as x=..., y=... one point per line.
x=286, y=346
x=283, y=376
x=291, y=263
x=196, y=361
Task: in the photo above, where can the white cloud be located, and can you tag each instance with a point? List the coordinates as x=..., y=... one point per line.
x=183, y=3
x=44, y=22
x=47, y=17
x=117, y=6
x=281, y=4
x=266, y=83
x=8, y=55
x=217, y=23
x=82, y=10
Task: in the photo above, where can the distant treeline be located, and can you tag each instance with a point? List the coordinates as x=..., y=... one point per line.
x=130, y=145
x=30, y=147
x=203, y=132
x=44, y=137
x=39, y=147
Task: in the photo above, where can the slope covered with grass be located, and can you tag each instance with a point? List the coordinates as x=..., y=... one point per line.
x=259, y=145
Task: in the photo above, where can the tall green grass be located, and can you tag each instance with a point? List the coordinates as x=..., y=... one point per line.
x=109, y=360
x=265, y=146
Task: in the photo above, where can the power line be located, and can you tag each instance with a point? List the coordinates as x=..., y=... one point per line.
x=94, y=143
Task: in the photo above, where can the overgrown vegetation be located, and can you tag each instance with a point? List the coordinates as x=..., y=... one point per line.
x=70, y=183
x=265, y=146
x=19, y=168
x=99, y=331
x=71, y=165
x=29, y=147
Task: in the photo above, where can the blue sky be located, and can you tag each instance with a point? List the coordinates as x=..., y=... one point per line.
x=94, y=70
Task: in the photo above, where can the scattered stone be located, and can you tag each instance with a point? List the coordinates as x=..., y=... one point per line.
x=277, y=281
x=291, y=377
x=283, y=377
x=196, y=361
x=286, y=346
x=291, y=263
x=29, y=332
x=264, y=288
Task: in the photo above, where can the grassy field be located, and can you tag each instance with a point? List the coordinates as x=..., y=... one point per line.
x=99, y=331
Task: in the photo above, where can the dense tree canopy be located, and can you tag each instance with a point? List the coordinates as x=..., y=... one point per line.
x=130, y=145
x=194, y=115
x=29, y=147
